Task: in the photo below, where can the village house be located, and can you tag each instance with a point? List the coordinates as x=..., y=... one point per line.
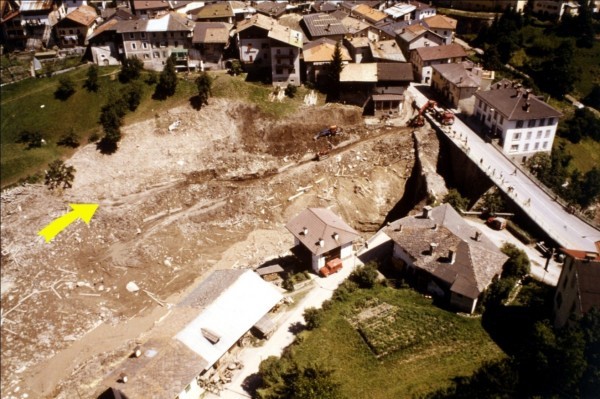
x=392, y=81
x=359, y=49
x=148, y=9
x=357, y=82
x=33, y=26
x=271, y=8
x=323, y=7
x=457, y=84
x=368, y=14
x=76, y=26
x=410, y=10
x=211, y=39
x=556, y=8
x=523, y=123
x=318, y=54
x=200, y=336
x=357, y=28
x=321, y=25
x=214, y=12
x=105, y=41
x=386, y=51
x=269, y=46
x=443, y=26
x=578, y=288
x=322, y=236
x=441, y=254
x=423, y=58
x=11, y=31
x=154, y=40
x=415, y=36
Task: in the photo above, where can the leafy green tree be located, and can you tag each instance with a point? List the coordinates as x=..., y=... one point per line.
x=59, y=174
x=66, y=88
x=585, y=33
x=456, y=200
x=131, y=69
x=91, y=83
x=590, y=188
x=493, y=202
x=132, y=95
x=558, y=74
x=491, y=59
x=365, y=276
x=311, y=382
x=204, y=86
x=313, y=318
x=167, y=81
x=70, y=139
x=236, y=68
x=518, y=264
x=33, y=139
x=290, y=91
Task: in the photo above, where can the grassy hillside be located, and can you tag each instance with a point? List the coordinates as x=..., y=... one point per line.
x=409, y=349
x=31, y=105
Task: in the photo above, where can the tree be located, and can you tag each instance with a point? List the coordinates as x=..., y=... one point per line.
x=313, y=318
x=34, y=139
x=333, y=71
x=70, y=139
x=593, y=99
x=59, y=174
x=493, y=202
x=131, y=69
x=132, y=95
x=91, y=83
x=236, y=68
x=167, y=81
x=586, y=33
x=518, y=264
x=66, y=88
x=365, y=276
x=456, y=200
x=558, y=74
x=311, y=382
x=491, y=59
x=204, y=85
x=290, y=91
x=590, y=188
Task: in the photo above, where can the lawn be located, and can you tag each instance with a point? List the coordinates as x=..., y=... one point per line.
x=402, y=346
x=30, y=105
x=586, y=153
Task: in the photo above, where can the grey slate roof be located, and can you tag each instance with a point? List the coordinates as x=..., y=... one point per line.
x=458, y=75
x=271, y=8
x=321, y=224
x=320, y=24
x=511, y=103
x=476, y=264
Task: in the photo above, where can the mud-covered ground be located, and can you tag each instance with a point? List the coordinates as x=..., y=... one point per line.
x=214, y=193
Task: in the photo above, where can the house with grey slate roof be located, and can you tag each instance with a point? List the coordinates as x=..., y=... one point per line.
x=322, y=236
x=323, y=25
x=523, y=123
x=423, y=58
x=457, y=83
x=441, y=254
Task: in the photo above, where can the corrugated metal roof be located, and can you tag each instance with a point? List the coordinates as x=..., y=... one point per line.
x=399, y=10
x=36, y=5
x=321, y=224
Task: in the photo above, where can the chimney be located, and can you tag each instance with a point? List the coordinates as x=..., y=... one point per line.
x=527, y=92
x=304, y=231
x=122, y=378
x=452, y=255
x=434, y=228
x=399, y=228
x=477, y=236
x=321, y=243
x=527, y=106
x=336, y=236
x=432, y=247
x=426, y=212
x=137, y=352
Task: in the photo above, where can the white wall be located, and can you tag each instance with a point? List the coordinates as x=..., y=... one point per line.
x=317, y=263
x=252, y=50
x=192, y=391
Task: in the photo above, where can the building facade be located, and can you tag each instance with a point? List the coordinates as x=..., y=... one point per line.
x=523, y=123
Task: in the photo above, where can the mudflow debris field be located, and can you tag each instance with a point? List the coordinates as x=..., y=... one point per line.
x=215, y=192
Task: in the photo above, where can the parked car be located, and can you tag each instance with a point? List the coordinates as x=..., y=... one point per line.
x=496, y=223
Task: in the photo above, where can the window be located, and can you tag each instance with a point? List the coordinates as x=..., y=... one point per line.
x=133, y=46
x=131, y=35
x=517, y=136
x=279, y=70
x=528, y=135
x=146, y=56
x=172, y=34
x=176, y=44
x=542, y=122
x=519, y=124
x=501, y=120
x=154, y=34
x=545, y=145
x=278, y=51
x=145, y=45
x=489, y=117
x=156, y=54
x=181, y=34
x=143, y=35
x=531, y=123
x=165, y=54
x=526, y=147
x=514, y=147
x=547, y=134
x=551, y=121
x=536, y=146
x=70, y=31
x=539, y=134
x=484, y=107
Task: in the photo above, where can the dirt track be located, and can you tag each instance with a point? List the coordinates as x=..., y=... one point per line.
x=212, y=194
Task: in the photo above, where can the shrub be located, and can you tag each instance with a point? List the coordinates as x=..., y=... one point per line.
x=365, y=276
x=291, y=91
x=131, y=69
x=456, y=200
x=32, y=139
x=236, y=68
x=66, y=88
x=521, y=234
x=91, y=83
x=313, y=318
x=59, y=174
x=70, y=139
x=518, y=264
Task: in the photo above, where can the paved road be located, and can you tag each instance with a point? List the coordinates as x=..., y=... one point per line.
x=566, y=229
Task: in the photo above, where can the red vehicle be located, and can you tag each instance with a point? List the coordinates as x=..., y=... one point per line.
x=496, y=223
x=333, y=266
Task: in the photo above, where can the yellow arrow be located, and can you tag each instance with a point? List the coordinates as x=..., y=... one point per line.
x=83, y=211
